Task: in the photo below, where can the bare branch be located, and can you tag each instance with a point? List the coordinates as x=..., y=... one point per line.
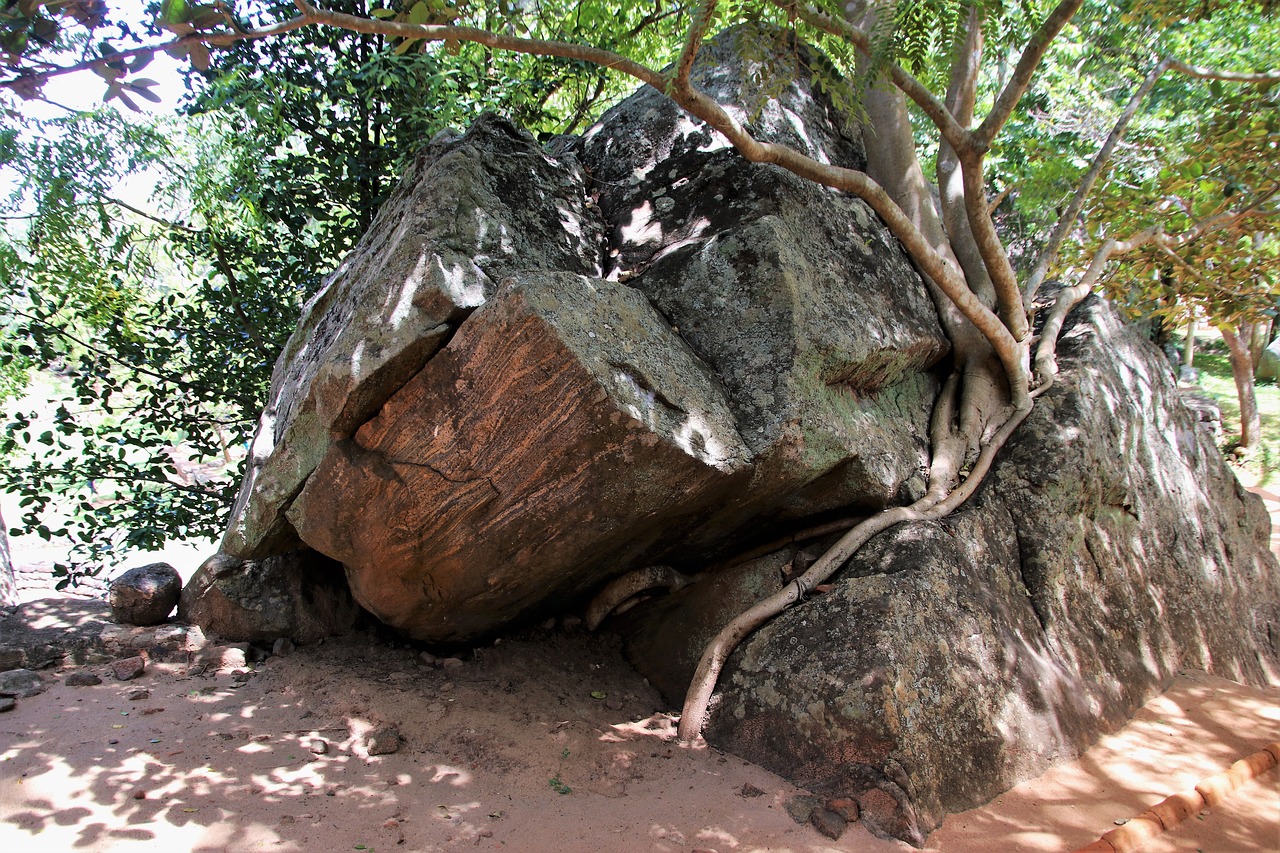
x=310, y=14
x=1262, y=78
x=1020, y=80
x=1100, y=161
x=693, y=41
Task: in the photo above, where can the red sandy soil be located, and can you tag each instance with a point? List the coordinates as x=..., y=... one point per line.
x=549, y=742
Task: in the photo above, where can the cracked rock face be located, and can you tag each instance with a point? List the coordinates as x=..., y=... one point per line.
x=515, y=389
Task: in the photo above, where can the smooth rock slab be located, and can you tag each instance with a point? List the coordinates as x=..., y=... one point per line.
x=145, y=595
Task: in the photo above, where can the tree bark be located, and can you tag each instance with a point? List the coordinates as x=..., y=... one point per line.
x=8, y=583
x=1237, y=341
x=1189, y=357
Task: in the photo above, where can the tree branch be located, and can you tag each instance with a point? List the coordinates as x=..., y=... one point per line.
x=937, y=112
x=1020, y=80
x=692, y=42
x=1100, y=161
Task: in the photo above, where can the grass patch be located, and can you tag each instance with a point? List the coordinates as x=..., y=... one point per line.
x=1262, y=467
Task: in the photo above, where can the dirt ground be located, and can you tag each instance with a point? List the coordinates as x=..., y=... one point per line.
x=544, y=742
x=548, y=742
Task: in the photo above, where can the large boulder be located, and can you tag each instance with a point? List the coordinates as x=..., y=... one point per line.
x=1109, y=547
x=145, y=595
x=544, y=368
x=602, y=393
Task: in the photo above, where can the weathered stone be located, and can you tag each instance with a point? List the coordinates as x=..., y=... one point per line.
x=128, y=669
x=1268, y=369
x=145, y=595
x=471, y=210
x=283, y=646
x=1109, y=547
x=20, y=683
x=7, y=703
x=301, y=595
x=82, y=679
x=828, y=823
x=558, y=436
x=383, y=740
x=797, y=296
x=801, y=807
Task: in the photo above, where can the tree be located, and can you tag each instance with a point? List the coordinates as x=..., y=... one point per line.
x=925, y=61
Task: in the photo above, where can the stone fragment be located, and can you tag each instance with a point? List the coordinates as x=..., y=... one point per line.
x=845, y=807
x=145, y=595
x=801, y=807
x=383, y=740
x=282, y=646
x=128, y=669
x=318, y=746
x=750, y=791
x=559, y=435
x=828, y=823
x=20, y=683
x=138, y=694
x=82, y=679
x=7, y=703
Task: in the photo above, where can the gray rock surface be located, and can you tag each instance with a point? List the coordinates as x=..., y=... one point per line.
x=145, y=595
x=20, y=683
x=1110, y=547
x=1268, y=369
x=300, y=595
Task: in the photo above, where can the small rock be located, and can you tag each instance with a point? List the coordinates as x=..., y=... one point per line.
x=449, y=663
x=550, y=624
x=82, y=679
x=138, y=694
x=828, y=823
x=383, y=740
x=20, y=683
x=145, y=595
x=568, y=623
x=801, y=807
x=749, y=790
x=428, y=658
x=390, y=823
x=128, y=669
x=318, y=746
x=139, y=795
x=283, y=646
x=845, y=807
x=7, y=703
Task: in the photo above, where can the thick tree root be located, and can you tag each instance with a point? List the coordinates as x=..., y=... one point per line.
x=631, y=584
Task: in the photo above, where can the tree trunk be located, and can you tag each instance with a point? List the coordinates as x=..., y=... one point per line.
x=1258, y=340
x=8, y=584
x=1189, y=357
x=1242, y=371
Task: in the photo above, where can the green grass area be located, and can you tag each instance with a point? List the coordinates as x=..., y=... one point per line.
x=1262, y=466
